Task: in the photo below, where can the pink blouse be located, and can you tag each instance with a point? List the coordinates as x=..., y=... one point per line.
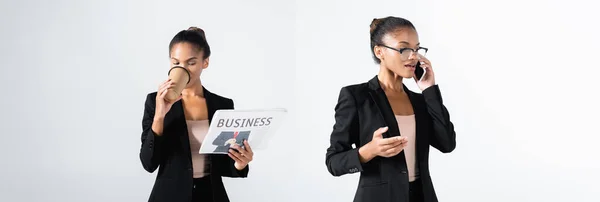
x=197, y=131
x=407, y=127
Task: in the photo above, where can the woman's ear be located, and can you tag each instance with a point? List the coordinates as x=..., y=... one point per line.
x=378, y=52
x=205, y=63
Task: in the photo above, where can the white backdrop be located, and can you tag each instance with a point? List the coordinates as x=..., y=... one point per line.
x=517, y=77
x=71, y=130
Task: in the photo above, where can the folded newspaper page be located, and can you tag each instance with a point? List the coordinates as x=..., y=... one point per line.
x=230, y=127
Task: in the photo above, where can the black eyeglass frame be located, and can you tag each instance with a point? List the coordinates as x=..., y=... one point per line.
x=404, y=49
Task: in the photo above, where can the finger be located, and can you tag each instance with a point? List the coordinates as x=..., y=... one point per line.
x=390, y=140
x=163, y=83
x=426, y=65
x=386, y=149
x=403, y=141
x=424, y=59
x=395, y=141
x=245, y=159
x=241, y=150
x=397, y=151
x=247, y=146
x=429, y=69
x=237, y=155
x=243, y=155
x=394, y=151
x=426, y=72
x=390, y=152
x=163, y=93
x=390, y=146
x=378, y=133
x=170, y=86
x=234, y=158
x=427, y=62
x=164, y=89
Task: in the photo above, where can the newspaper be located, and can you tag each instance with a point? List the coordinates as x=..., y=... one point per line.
x=229, y=127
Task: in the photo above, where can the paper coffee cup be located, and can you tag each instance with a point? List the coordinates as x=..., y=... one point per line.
x=180, y=77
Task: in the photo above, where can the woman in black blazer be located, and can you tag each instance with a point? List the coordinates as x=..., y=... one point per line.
x=383, y=130
x=173, y=131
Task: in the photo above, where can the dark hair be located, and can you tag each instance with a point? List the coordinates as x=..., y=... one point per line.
x=381, y=26
x=194, y=36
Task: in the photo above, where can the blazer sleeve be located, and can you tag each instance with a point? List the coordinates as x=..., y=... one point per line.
x=341, y=158
x=231, y=171
x=444, y=136
x=151, y=154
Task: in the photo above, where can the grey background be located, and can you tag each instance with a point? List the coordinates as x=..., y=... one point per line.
x=517, y=77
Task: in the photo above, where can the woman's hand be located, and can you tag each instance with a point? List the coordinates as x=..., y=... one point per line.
x=242, y=156
x=428, y=78
x=162, y=105
x=379, y=146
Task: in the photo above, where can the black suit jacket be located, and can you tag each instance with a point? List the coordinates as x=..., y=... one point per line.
x=171, y=153
x=362, y=109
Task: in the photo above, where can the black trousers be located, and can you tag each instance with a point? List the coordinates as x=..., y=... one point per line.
x=202, y=191
x=415, y=191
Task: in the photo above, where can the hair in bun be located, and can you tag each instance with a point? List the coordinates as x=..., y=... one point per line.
x=381, y=26
x=198, y=30
x=194, y=36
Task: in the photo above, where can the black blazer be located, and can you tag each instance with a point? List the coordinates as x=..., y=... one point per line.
x=171, y=153
x=362, y=109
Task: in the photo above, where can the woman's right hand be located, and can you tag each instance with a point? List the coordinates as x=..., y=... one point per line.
x=384, y=147
x=162, y=105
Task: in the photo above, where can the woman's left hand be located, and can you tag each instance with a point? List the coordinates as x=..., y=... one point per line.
x=428, y=78
x=242, y=156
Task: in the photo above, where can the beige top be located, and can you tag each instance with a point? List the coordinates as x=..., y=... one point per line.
x=407, y=126
x=197, y=131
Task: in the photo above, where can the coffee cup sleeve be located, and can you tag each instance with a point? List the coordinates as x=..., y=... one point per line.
x=186, y=71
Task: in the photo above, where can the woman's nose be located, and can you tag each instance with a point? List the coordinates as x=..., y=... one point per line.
x=414, y=56
x=185, y=66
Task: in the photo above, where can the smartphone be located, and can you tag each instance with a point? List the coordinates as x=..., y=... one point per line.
x=419, y=71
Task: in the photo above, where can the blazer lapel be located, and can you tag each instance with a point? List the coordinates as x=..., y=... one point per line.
x=210, y=104
x=177, y=117
x=384, y=108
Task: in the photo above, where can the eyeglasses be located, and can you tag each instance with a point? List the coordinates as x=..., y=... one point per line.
x=407, y=52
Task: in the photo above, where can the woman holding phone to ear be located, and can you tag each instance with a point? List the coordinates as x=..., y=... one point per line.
x=391, y=127
x=173, y=132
